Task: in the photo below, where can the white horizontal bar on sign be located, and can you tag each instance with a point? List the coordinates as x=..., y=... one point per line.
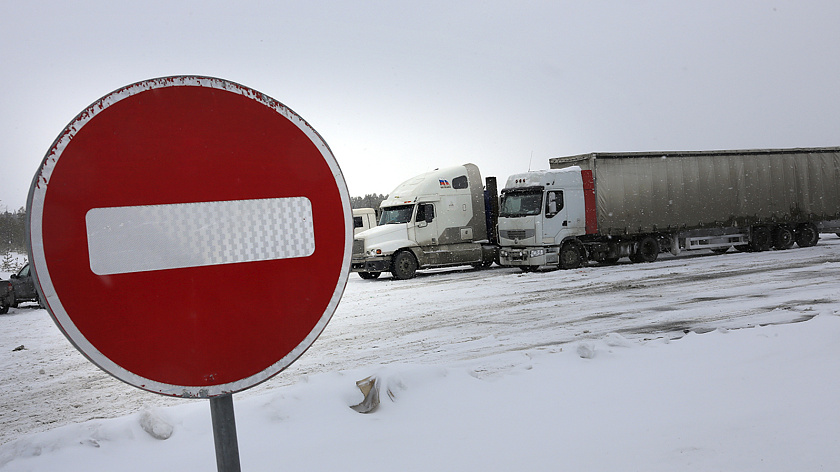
x=156, y=237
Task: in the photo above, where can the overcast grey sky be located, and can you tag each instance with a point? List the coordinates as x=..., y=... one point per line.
x=397, y=88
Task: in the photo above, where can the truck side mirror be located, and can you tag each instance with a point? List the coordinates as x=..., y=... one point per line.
x=554, y=203
x=551, y=204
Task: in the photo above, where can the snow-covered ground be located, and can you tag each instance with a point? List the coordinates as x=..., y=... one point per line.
x=700, y=362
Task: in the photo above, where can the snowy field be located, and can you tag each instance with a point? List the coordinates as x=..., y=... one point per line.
x=703, y=362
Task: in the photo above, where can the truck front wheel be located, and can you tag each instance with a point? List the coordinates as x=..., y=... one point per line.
x=404, y=265
x=571, y=256
x=369, y=275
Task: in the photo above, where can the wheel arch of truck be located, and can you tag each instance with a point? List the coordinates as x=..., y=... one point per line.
x=389, y=248
x=573, y=240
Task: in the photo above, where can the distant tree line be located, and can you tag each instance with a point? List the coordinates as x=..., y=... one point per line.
x=371, y=200
x=13, y=231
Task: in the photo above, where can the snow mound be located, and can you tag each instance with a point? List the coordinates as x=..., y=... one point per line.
x=153, y=423
x=617, y=340
x=586, y=350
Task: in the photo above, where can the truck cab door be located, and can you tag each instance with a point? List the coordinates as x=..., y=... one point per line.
x=555, y=216
x=426, y=228
x=23, y=284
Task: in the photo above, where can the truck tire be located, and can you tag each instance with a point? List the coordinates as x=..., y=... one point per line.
x=370, y=275
x=482, y=264
x=783, y=238
x=807, y=235
x=647, y=251
x=4, y=309
x=571, y=256
x=761, y=239
x=404, y=265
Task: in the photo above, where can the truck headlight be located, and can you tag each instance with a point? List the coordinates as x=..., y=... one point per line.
x=503, y=253
x=536, y=252
x=375, y=252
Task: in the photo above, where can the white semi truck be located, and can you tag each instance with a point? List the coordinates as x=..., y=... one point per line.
x=605, y=206
x=363, y=219
x=437, y=219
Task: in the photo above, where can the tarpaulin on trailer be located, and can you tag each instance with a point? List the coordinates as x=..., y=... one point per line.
x=658, y=191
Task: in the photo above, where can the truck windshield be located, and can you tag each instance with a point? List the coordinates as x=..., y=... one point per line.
x=521, y=203
x=396, y=214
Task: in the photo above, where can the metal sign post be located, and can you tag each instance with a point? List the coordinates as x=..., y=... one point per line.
x=155, y=197
x=224, y=433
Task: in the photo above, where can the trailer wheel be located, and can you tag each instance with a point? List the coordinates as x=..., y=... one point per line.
x=404, y=265
x=761, y=238
x=370, y=275
x=571, y=256
x=648, y=250
x=807, y=235
x=783, y=238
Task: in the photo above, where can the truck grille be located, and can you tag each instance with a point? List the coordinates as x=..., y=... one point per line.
x=516, y=233
x=358, y=246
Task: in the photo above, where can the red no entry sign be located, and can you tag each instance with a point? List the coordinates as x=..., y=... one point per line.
x=191, y=236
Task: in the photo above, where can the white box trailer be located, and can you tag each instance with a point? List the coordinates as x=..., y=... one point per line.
x=436, y=219
x=603, y=206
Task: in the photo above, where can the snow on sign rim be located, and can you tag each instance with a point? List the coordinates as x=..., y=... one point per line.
x=168, y=205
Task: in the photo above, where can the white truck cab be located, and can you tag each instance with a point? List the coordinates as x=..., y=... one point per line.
x=539, y=211
x=436, y=219
x=363, y=219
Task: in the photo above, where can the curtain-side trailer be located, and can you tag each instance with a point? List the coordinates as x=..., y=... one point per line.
x=604, y=206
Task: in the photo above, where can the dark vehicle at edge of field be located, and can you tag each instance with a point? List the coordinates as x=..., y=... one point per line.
x=19, y=288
